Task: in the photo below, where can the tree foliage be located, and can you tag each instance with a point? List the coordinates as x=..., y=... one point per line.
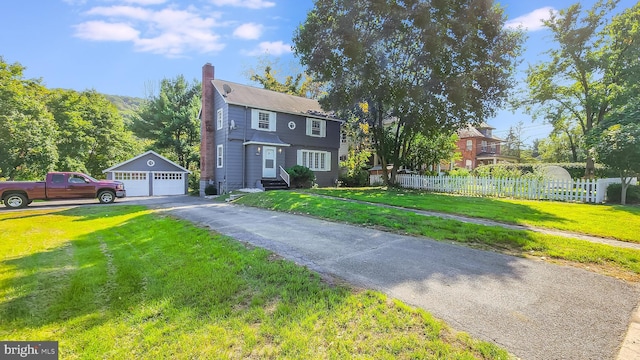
x=619, y=148
x=92, y=133
x=431, y=151
x=43, y=130
x=27, y=129
x=267, y=73
x=358, y=137
x=593, y=69
x=427, y=66
x=170, y=120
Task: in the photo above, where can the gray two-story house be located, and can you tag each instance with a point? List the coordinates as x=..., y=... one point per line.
x=250, y=136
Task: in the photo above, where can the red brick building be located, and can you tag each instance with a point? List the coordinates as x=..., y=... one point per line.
x=479, y=146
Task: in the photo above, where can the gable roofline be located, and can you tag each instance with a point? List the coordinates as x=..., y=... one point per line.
x=275, y=101
x=469, y=131
x=143, y=154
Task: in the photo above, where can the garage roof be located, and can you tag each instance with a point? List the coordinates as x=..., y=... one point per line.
x=150, y=152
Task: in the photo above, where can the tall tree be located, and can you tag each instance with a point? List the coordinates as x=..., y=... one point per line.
x=268, y=74
x=92, y=134
x=428, y=66
x=170, y=120
x=431, y=151
x=592, y=69
x=513, y=143
x=27, y=129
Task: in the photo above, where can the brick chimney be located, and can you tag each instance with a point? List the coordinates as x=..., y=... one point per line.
x=207, y=122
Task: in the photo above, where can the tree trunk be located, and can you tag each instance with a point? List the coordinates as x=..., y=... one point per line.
x=590, y=169
x=623, y=193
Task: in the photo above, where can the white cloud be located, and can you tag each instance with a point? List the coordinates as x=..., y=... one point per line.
x=249, y=31
x=251, y=4
x=132, y=12
x=275, y=48
x=103, y=31
x=169, y=31
x=533, y=20
x=145, y=2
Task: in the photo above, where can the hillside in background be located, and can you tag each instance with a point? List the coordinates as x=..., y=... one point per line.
x=127, y=106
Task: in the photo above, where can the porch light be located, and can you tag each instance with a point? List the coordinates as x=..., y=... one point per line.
x=258, y=152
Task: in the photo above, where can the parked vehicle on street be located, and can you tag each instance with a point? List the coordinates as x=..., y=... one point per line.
x=60, y=186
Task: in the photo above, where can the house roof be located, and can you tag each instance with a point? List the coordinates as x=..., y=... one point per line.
x=265, y=138
x=472, y=131
x=144, y=154
x=244, y=95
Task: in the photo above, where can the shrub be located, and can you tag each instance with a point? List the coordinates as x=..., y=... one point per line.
x=576, y=170
x=194, y=182
x=359, y=179
x=210, y=190
x=614, y=192
x=460, y=172
x=301, y=176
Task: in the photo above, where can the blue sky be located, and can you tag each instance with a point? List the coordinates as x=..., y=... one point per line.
x=125, y=47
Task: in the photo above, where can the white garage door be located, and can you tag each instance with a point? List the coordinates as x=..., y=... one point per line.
x=135, y=183
x=168, y=183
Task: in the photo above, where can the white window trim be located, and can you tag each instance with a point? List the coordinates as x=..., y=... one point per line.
x=320, y=160
x=254, y=120
x=469, y=146
x=220, y=118
x=220, y=156
x=323, y=127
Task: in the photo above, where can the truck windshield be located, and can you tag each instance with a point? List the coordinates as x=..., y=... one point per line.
x=90, y=178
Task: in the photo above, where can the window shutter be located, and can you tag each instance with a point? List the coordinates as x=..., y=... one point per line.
x=272, y=121
x=309, y=122
x=299, y=160
x=254, y=118
x=328, y=161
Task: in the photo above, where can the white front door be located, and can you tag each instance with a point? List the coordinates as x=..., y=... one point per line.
x=268, y=162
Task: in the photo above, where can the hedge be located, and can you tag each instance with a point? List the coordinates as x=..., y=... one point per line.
x=614, y=192
x=576, y=170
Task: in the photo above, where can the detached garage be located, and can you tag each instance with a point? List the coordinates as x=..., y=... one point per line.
x=150, y=174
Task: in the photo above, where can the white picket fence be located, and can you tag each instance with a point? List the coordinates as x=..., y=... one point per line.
x=580, y=190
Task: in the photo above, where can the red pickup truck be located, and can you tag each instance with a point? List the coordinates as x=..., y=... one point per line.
x=59, y=186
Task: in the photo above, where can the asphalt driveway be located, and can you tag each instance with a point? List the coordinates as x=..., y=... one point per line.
x=534, y=309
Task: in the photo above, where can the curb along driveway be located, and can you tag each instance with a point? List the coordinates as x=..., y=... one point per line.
x=534, y=309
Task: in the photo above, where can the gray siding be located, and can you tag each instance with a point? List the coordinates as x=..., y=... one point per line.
x=233, y=175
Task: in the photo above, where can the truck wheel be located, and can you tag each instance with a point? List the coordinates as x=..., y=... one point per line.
x=106, y=197
x=15, y=201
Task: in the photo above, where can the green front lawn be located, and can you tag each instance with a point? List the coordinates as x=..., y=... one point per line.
x=613, y=221
x=123, y=282
x=624, y=263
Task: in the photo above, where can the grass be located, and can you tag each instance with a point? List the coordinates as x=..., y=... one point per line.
x=612, y=221
x=623, y=263
x=123, y=282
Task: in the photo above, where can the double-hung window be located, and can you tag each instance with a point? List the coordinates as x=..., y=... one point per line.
x=315, y=160
x=263, y=120
x=219, y=156
x=316, y=127
x=469, y=145
x=220, y=119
